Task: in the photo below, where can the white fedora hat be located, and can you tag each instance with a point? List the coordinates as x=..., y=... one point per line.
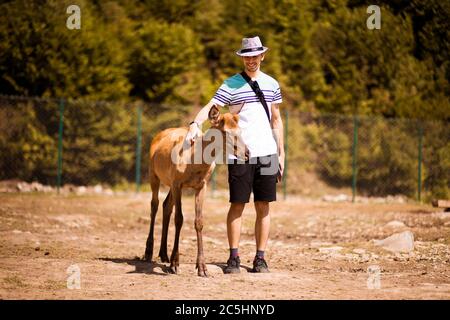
x=251, y=47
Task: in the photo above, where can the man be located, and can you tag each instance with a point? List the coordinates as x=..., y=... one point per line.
x=262, y=133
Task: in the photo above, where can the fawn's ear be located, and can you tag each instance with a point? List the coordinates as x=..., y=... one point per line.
x=214, y=114
x=240, y=107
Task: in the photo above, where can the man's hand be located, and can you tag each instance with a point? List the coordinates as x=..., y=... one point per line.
x=193, y=133
x=281, y=167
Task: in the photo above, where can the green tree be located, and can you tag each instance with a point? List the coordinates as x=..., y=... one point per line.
x=39, y=56
x=26, y=150
x=99, y=142
x=161, y=54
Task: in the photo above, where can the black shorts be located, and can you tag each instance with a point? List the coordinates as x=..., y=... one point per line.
x=257, y=174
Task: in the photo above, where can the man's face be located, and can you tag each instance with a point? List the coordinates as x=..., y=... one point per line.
x=252, y=63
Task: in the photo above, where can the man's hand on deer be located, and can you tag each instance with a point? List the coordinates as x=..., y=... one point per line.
x=193, y=133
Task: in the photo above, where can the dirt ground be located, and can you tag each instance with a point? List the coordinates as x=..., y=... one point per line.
x=317, y=250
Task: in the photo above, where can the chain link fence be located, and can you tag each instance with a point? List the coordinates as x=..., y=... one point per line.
x=61, y=143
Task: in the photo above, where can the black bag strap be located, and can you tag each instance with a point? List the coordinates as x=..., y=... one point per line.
x=257, y=90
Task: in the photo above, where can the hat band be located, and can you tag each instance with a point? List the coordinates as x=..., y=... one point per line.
x=252, y=49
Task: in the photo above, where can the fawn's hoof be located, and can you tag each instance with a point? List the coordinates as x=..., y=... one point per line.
x=201, y=270
x=173, y=269
x=202, y=273
x=147, y=257
x=164, y=257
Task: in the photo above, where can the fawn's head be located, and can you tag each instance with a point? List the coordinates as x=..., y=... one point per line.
x=227, y=123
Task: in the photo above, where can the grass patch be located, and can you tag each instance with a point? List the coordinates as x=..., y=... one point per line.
x=53, y=285
x=14, y=282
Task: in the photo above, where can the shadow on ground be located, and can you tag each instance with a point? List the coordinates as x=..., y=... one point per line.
x=156, y=268
x=222, y=266
x=142, y=266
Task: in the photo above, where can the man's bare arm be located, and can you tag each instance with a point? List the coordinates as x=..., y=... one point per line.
x=278, y=131
x=202, y=115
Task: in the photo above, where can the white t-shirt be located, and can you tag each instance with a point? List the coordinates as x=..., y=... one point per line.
x=255, y=127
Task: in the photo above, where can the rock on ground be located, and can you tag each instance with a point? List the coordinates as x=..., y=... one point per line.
x=398, y=242
x=395, y=224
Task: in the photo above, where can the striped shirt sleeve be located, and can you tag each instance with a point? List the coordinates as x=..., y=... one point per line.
x=223, y=96
x=277, y=96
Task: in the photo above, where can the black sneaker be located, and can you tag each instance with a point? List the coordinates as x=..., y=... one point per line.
x=260, y=265
x=233, y=265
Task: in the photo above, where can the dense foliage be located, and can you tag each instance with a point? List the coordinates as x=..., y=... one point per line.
x=179, y=51
x=173, y=54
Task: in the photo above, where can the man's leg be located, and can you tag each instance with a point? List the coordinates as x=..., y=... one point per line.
x=262, y=224
x=240, y=177
x=262, y=228
x=234, y=219
x=264, y=190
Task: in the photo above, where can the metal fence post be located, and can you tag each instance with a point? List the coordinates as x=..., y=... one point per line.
x=138, y=147
x=60, y=145
x=419, y=168
x=286, y=145
x=354, y=156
